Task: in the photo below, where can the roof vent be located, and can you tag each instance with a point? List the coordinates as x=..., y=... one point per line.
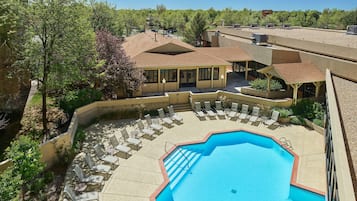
x=352, y=29
x=260, y=39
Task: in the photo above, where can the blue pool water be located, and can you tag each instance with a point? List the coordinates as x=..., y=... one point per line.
x=232, y=166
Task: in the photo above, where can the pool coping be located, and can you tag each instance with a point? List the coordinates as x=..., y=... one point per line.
x=293, y=175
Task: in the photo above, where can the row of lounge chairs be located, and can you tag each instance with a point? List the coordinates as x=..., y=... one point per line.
x=233, y=112
x=108, y=156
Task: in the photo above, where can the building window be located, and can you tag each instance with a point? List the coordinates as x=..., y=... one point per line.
x=204, y=74
x=151, y=76
x=216, y=73
x=169, y=75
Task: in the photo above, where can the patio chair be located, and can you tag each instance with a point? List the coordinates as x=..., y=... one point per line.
x=105, y=157
x=255, y=114
x=234, y=110
x=165, y=119
x=274, y=118
x=96, y=167
x=244, y=112
x=198, y=111
x=117, y=146
x=208, y=109
x=87, y=196
x=146, y=131
x=219, y=109
x=93, y=179
x=174, y=116
x=131, y=141
x=155, y=126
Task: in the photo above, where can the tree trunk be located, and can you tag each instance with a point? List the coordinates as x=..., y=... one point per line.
x=44, y=95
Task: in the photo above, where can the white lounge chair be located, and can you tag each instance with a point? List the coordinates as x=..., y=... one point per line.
x=96, y=167
x=94, y=179
x=105, y=157
x=198, y=110
x=234, y=110
x=255, y=114
x=244, y=112
x=87, y=196
x=146, y=131
x=116, y=145
x=208, y=109
x=165, y=119
x=155, y=126
x=274, y=118
x=219, y=109
x=131, y=141
x=174, y=116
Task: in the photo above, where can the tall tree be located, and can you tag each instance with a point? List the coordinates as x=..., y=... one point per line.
x=117, y=71
x=104, y=18
x=60, y=46
x=195, y=29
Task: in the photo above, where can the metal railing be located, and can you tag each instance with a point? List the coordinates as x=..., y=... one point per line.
x=180, y=151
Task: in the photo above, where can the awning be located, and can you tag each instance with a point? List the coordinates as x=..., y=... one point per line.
x=293, y=73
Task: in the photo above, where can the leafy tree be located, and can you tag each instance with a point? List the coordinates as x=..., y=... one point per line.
x=10, y=185
x=117, y=71
x=60, y=46
x=26, y=157
x=195, y=29
x=104, y=18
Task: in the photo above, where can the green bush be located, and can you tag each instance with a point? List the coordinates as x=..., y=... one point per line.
x=318, y=122
x=10, y=185
x=297, y=120
x=75, y=99
x=262, y=84
x=284, y=112
x=309, y=109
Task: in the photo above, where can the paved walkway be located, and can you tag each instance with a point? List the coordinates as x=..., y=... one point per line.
x=139, y=176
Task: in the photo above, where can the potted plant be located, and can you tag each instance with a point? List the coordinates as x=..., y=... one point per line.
x=284, y=116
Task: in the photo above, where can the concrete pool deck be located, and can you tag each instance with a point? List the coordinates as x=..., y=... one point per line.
x=139, y=176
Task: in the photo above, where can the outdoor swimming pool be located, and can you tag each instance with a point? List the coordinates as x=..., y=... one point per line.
x=232, y=166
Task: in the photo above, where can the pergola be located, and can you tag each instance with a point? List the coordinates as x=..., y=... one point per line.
x=295, y=75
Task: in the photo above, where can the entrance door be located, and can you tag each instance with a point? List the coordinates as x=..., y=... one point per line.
x=188, y=78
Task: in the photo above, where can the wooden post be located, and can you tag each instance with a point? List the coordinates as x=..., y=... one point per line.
x=269, y=78
x=317, y=88
x=246, y=70
x=212, y=69
x=296, y=88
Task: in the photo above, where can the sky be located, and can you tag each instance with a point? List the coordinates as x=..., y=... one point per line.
x=237, y=4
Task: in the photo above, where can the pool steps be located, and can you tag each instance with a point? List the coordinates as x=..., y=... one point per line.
x=179, y=163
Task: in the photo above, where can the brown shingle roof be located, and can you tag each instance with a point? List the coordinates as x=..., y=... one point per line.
x=144, y=42
x=148, y=59
x=346, y=95
x=293, y=73
x=230, y=54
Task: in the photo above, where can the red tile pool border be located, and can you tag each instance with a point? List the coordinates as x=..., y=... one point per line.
x=293, y=175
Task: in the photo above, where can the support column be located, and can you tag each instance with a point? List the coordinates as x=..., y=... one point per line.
x=295, y=93
x=317, y=88
x=212, y=68
x=246, y=70
x=269, y=78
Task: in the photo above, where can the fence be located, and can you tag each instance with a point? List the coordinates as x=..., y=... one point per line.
x=120, y=108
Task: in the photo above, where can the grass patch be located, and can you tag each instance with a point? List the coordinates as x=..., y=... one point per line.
x=36, y=100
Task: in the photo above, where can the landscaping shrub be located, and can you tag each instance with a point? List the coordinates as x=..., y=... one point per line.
x=262, y=84
x=318, y=122
x=75, y=99
x=297, y=120
x=309, y=109
x=284, y=112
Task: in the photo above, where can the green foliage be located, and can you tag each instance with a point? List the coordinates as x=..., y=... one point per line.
x=297, y=120
x=79, y=138
x=26, y=155
x=262, y=84
x=284, y=112
x=195, y=29
x=318, y=122
x=10, y=185
x=78, y=98
x=309, y=109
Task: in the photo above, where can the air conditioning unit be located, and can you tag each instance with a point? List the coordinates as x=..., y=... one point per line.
x=236, y=26
x=260, y=39
x=352, y=29
x=269, y=25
